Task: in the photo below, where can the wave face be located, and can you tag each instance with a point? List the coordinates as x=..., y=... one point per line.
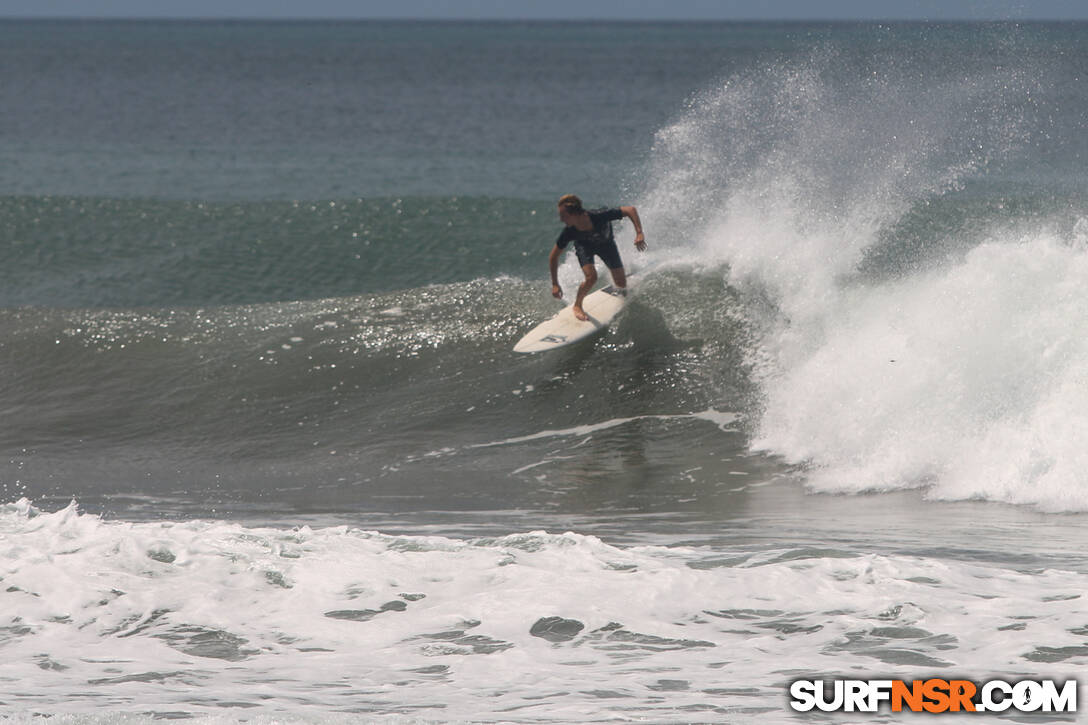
x=405, y=401
x=912, y=250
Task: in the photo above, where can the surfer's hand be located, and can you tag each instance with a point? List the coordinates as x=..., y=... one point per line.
x=557, y=292
x=640, y=242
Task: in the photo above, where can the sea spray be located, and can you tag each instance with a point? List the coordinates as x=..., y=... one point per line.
x=957, y=374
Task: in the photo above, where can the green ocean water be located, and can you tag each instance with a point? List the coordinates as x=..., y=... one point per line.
x=94, y=252
x=201, y=202
x=268, y=454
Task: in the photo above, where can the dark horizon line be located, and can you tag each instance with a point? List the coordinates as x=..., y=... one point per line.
x=549, y=21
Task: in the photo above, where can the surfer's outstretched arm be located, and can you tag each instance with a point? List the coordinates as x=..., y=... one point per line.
x=632, y=213
x=553, y=265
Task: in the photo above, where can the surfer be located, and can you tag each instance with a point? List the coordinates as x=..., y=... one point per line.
x=591, y=232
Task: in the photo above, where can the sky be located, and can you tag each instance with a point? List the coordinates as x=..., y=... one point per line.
x=560, y=9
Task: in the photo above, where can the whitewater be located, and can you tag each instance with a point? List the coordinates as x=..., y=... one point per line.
x=269, y=456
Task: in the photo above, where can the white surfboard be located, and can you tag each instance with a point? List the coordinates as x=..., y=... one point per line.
x=564, y=329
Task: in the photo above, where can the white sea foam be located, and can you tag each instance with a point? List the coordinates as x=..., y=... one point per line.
x=723, y=420
x=968, y=378
x=204, y=618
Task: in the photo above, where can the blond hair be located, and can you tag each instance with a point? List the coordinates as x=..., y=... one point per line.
x=571, y=203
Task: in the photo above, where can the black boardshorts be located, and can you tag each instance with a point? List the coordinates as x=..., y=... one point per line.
x=607, y=251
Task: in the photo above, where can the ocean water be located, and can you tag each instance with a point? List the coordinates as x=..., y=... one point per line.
x=269, y=457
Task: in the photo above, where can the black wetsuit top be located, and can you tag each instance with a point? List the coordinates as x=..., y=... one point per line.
x=597, y=241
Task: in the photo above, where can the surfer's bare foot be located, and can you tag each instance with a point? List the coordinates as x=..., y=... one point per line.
x=580, y=314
